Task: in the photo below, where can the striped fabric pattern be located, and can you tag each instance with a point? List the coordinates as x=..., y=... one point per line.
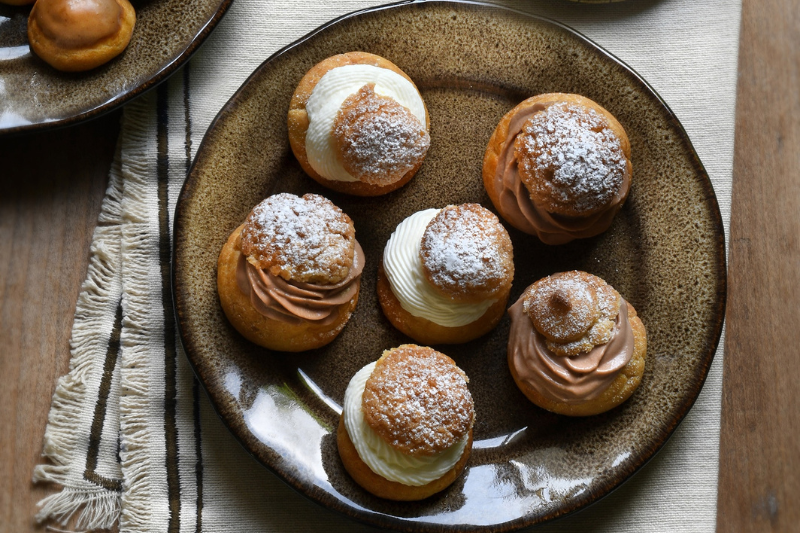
x=132, y=437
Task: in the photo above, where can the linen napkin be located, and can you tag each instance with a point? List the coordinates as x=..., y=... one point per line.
x=131, y=437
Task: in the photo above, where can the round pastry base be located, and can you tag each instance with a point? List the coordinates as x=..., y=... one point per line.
x=392, y=490
x=80, y=59
x=298, y=122
x=620, y=389
x=264, y=331
x=426, y=332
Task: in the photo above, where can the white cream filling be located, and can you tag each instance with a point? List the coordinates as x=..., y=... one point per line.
x=403, y=267
x=379, y=455
x=327, y=98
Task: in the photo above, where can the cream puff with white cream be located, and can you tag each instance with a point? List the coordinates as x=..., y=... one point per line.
x=406, y=428
x=446, y=274
x=358, y=124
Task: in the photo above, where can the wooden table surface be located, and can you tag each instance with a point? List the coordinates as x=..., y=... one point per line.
x=52, y=184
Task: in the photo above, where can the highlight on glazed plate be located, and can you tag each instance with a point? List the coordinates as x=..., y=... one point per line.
x=358, y=124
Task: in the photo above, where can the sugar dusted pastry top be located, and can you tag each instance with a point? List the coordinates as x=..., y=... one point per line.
x=570, y=160
x=377, y=140
x=467, y=254
x=574, y=311
x=304, y=239
x=417, y=400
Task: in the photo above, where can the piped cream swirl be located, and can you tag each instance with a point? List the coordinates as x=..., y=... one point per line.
x=406, y=275
x=570, y=380
x=295, y=302
x=379, y=455
x=327, y=98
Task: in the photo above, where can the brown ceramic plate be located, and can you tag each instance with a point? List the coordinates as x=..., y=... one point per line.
x=35, y=96
x=472, y=63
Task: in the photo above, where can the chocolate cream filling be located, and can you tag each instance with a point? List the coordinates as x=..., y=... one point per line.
x=295, y=302
x=525, y=215
x=563, y=379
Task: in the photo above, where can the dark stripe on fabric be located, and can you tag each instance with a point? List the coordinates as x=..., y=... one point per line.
x=112, y=354
x=199, y=451
x=187, y=117
x=198, y=466
x=170, y=353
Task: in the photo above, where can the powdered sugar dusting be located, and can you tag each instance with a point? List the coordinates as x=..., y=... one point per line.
x=304, y=239
x=570, y=158
x=562, y=307
x=417, y=400
x=465, y=248
x=574, y=310
x=380, y=140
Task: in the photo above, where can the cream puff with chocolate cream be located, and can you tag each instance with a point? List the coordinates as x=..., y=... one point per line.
x=558, y=166
x=406, y=427
x=289, y=277
x=446, y=274
x=358, y=124
x=76, y=35
x=575, y=347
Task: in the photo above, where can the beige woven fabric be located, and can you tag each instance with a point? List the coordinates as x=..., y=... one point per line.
x=685, y=49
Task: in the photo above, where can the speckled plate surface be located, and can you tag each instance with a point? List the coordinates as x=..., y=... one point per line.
x=35, y=96
x=472, y=63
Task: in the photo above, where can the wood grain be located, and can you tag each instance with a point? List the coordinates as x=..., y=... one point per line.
x=759, y=476
x=51, y=188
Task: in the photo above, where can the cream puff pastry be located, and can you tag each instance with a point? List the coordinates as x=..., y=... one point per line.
x=576, y=347
x=358, y=124
x=406, y=427
x=558, y=166
x=76, y=35
x=288, y=278
x=446, y=274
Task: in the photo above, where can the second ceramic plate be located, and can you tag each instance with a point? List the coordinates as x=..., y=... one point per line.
x=34, y=96
x=472, y=63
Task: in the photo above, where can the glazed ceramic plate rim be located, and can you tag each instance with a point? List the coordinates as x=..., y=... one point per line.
x=163, y=72
x=376, y=518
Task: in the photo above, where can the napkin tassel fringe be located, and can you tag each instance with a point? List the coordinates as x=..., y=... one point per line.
x=96, y=507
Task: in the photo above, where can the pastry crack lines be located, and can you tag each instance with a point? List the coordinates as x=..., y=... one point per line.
x=304, y=239
x=570, y=160
x=377, y=140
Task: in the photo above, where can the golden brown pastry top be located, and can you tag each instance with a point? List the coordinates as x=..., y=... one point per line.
x=570, y=160
x=304, y=239
x=74, y=24
x=377, y=140
x=575, y=311
x=417, y=400
x=467, y=254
